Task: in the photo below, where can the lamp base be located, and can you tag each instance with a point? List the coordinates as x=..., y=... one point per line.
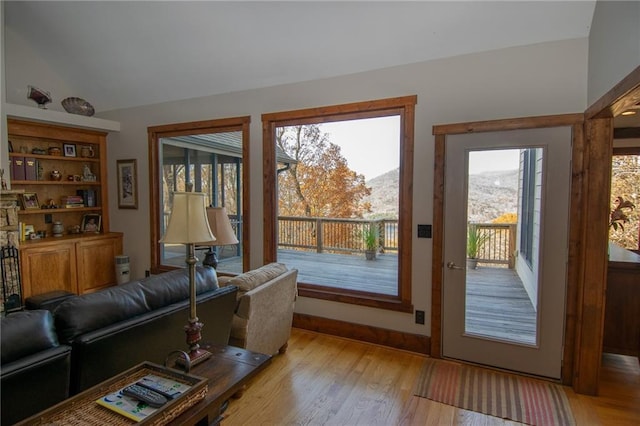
x=195, y=357
x=196, y=353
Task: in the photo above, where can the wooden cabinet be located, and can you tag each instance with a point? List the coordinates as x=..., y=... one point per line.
x=48, y=267
x=96, y=261
x=622, y=309
x=78, y=264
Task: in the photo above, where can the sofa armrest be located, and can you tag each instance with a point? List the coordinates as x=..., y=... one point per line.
x=34, y=383
x=34, y=361
x=268, y=313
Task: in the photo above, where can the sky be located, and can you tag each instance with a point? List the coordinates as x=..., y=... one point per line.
x=371, y=146
x=493, y=160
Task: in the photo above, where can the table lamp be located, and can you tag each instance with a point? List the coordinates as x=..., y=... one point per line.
x=188, y=225
x=221, y=228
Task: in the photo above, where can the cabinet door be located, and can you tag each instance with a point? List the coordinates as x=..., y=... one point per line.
x=96, y=263
x=49, y=268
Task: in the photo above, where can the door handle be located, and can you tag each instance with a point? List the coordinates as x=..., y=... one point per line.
x=452, y=265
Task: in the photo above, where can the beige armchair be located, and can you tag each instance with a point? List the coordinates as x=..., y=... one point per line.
x=264, y=311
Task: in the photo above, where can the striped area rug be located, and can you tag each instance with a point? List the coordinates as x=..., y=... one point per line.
x=521, y=399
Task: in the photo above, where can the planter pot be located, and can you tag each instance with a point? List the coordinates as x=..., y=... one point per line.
x=472, y=263
x=370, y=254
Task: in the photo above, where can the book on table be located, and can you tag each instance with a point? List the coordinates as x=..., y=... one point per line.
x=138, y=410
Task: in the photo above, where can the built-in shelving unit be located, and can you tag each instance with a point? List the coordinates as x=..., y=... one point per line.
x=76, y=261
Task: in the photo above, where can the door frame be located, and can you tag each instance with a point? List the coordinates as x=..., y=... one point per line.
x=575, y=121
x=591, y=159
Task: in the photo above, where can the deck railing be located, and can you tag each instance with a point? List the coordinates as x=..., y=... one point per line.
x=499, y=245
x=332, y=235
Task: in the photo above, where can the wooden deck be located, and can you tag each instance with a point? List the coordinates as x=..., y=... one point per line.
x=497, y=304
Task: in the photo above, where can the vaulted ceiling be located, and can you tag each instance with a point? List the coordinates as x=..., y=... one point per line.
x=119, y=54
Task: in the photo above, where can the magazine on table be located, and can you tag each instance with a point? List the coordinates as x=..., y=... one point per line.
x=137, y=410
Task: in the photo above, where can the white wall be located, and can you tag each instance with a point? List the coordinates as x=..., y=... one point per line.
x=26, y=68
x=614, y=45
x=548, y=78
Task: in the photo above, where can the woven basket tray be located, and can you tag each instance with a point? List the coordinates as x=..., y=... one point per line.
x=83, y=409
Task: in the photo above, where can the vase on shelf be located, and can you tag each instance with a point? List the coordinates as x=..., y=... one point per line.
x=57, y=229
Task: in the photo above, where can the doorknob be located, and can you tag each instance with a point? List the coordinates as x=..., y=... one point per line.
x=452, y=265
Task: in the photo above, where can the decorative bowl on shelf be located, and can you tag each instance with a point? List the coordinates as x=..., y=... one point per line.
x=39, y=96
x=78, y=106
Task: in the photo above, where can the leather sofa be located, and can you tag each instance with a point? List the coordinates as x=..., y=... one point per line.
x=34, y=371
x=90, y=338
x=114, y=329
x=264, y=310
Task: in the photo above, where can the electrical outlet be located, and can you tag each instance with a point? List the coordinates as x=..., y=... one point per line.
x=419, y=317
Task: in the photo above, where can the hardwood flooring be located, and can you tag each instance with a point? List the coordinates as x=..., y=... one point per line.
x=326, y=380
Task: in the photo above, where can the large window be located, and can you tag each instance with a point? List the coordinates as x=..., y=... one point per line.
x=210, y=157
x=326, y=171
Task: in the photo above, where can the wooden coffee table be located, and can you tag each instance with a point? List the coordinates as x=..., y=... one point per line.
x=228, y=371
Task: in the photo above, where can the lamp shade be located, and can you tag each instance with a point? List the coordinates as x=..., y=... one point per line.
x=188, y=222
x=221, y=227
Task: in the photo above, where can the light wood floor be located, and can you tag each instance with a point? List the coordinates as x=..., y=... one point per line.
x=326, y=380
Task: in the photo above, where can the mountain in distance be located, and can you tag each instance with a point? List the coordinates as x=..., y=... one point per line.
x=491, y=194
x=384, y=195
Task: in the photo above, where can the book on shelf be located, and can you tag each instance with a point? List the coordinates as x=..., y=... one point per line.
x=71, y=201
x=88, y=196
x=30, y=169
x=135, y=409
x=17, y=168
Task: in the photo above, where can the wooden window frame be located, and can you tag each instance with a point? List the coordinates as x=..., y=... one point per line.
x=155, y=133
x=405, y=108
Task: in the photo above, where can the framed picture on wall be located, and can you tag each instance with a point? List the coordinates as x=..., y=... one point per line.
x=127, y=184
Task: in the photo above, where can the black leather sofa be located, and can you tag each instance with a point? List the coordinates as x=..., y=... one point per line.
x=109, y=331
x=112, y=330
x=34, y=372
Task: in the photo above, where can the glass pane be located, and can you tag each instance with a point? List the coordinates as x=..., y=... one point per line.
x=338, y=203
x=214, y=165
x=503, y=214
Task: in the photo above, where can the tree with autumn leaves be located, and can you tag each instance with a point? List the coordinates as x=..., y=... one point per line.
x=319, y=183
x=625, y=192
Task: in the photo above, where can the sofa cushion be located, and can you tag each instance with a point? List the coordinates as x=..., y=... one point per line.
x=256, y=277
x=25, y=333
x=82, y=314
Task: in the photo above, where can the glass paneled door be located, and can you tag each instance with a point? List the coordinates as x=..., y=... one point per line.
x=506, y=227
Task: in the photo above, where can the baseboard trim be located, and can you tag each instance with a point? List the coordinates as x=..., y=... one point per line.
x=366, y=333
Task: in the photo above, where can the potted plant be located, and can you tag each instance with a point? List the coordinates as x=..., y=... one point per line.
x=475, y=240
x=370, y=235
